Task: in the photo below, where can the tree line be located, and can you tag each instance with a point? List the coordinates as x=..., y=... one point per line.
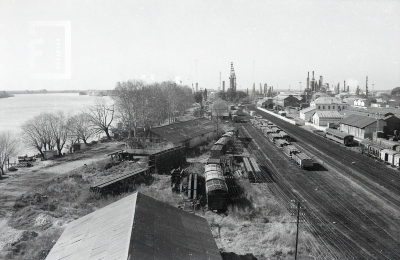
x=145, y=105
x=136, y=104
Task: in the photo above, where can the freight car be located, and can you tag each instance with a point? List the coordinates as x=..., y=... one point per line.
x=387, y=155
x=256, y=169
x=281, y=143
x=289, y=150
x=303, y=160
x=371, y=149
x=216, y=188
x=387, y=144
x=274, y=136
x=248, y=169
x=339, y=137
x=284, y=135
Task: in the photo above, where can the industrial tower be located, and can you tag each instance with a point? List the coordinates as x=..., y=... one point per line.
x=232, y=79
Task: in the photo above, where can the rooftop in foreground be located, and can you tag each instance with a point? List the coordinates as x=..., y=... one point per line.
x=136, y=227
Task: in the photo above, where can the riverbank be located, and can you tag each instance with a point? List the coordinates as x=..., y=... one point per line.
x=14, y=184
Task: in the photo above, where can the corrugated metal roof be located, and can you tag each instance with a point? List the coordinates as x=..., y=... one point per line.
x=183, y=131
x=328, y=114
x=140, y=226
x=358, y=120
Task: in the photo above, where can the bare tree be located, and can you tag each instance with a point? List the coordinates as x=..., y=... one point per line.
x=81, y=126
x=57, y=125
x=8, y=149
x=34, y=133
x=101, y=117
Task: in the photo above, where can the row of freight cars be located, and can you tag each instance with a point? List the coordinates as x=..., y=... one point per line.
x=282, y=140
x=382, y=149
x=216, y=186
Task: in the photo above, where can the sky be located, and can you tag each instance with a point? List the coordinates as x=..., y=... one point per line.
x=58, y=45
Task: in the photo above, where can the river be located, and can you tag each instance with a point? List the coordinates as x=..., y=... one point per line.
x=14, y=111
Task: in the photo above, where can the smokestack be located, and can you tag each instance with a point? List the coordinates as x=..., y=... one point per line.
x=197, y=87
x=223, y=86
x=313, y=82
x=321, y=83
x=308, y=80
x=254, y=88
x=366, y=87
x=344, y=86
x=260, y=88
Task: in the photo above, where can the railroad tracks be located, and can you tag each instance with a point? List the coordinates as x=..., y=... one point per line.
x=361, y=237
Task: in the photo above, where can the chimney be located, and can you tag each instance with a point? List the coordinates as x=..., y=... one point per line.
x=344, y=86
x=197, y=87
x=223, y=86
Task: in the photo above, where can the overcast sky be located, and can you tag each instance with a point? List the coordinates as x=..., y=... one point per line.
x=162, y=40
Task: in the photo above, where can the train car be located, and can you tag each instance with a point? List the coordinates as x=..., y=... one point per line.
x=216, y=151
x=248, y=169
x=281, y=143
x=284, y=135
x=216, y=188
x=387, y=144
x=374, y=150
x=256, y=170
x=303, y=160
x=275, y=129
x=396, y=160
x=387, y=155
x=339, y=137
x=364, y=146
x=289, y=150
x=274, y=136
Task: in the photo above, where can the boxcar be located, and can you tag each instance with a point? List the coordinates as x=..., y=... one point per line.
x=396, y=160
x=303, y=160
x=387, y=144
x=339, y=137
x=374, y=150
x=216, y=188
x=387, y=155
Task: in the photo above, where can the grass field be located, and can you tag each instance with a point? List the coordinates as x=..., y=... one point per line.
x=254, y=224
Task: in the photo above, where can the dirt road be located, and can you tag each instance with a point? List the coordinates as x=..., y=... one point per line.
x=14, y=184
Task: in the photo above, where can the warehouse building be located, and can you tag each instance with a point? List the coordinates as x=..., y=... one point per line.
x=307, y=113
x=137, y=227
x=362, y=126
x=188, y=133
x=286, y=101
x=328, y=104
x=324, y=118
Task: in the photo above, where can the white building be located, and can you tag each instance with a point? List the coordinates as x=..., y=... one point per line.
x=328, y=104
x=307, y=113
x=323, y=118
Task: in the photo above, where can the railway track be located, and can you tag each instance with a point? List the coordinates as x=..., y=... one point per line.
x=363, y=237
x=286, y=192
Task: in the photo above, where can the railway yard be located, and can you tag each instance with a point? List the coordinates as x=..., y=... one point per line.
x=350, y=202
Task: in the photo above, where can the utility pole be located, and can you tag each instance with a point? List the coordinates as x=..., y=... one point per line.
x=297, y=231
x=298, y=204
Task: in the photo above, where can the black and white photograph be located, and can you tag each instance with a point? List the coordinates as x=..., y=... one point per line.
x=199, y=130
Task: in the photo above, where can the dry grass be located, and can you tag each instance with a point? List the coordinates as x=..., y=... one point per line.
x=49, y=207
x=254, y=224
